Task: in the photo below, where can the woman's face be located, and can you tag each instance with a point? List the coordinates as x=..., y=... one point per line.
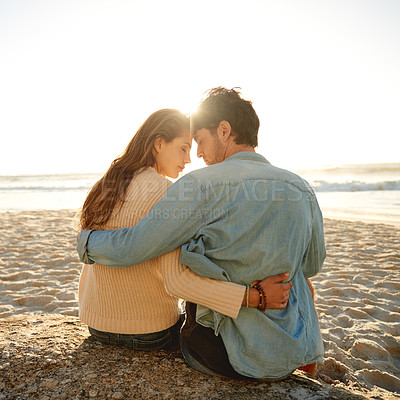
x=171, y=158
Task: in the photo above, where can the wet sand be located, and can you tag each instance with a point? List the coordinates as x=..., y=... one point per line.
x=357, y=292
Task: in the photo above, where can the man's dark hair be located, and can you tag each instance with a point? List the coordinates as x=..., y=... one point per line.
x=223, y=104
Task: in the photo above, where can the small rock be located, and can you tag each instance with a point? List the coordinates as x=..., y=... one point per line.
x=117, y=395
x=31, y=355
x=49, y=383
x=93, y=393
x=32, y=389
x=34, y=349
x=20, y=386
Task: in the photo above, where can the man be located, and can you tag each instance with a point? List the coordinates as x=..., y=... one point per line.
x=240, y=219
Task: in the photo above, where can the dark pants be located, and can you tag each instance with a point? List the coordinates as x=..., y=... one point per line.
x=203, y=350
x=167, y=339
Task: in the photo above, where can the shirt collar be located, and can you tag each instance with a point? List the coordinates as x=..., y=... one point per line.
x=248, y=155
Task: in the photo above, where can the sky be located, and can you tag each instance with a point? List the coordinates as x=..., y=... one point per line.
x=78, y=77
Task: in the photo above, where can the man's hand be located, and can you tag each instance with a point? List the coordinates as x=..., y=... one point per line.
x=277, y=292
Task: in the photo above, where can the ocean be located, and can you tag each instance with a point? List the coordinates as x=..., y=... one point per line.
x=369, y=192
x=366, y=192
x=44, y=192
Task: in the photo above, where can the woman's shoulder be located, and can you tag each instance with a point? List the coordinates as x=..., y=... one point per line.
x=150, y=175
x=145, y=190
x=147, y=182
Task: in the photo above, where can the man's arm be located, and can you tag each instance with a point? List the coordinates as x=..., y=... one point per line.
x=172, y=222
x=316, y=252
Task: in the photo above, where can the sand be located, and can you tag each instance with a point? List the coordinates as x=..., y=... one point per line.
x=357, y=300
x=39, y=267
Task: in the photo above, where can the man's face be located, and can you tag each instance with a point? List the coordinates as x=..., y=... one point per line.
x=209, y=147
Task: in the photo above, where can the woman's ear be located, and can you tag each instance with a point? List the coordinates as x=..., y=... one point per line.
x=157, y=144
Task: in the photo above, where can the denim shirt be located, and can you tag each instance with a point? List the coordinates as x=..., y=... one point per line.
x=240, y=220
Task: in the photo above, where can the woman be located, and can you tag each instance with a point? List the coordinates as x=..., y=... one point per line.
x=138, y=306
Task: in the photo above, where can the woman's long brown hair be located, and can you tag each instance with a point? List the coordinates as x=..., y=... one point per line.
x=109, y=192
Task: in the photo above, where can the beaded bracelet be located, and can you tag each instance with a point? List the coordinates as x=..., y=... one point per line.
x=253, y=285
x=262, y=297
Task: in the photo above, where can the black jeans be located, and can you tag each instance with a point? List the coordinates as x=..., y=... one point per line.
x=167, y=339
x=207, y=350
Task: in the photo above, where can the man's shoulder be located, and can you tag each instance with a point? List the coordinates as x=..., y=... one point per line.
x=198, y=175
x=242, y=169
x=284, y=173
x=289, y=177
x=206, y=176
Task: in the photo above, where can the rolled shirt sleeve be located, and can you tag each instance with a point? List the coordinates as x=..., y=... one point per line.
x=81, y=247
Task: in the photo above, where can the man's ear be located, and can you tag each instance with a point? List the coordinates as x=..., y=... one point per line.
x=224, y=129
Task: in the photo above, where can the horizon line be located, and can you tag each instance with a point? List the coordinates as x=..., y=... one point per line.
x=298, y=167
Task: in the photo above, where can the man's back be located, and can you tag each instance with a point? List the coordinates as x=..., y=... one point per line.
x=259, y=221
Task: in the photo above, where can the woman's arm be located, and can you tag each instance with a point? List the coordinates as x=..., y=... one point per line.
x=221, y=296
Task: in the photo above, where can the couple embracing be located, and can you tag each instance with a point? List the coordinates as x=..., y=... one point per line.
x=237, y=240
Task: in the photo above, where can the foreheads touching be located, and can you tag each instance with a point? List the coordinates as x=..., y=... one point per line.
x=223, y=104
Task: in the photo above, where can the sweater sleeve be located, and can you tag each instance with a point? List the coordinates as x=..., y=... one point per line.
x=180, y=281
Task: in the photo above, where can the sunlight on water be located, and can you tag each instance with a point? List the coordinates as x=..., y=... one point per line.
x=41, y=200
x=374, y=206
x=365, y=192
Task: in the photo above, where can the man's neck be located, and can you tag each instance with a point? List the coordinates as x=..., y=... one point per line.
x=237, y=148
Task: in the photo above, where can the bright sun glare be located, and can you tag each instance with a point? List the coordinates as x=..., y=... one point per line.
x=78, y=78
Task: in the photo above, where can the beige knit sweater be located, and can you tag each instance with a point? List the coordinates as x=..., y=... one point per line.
x=144, y=298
